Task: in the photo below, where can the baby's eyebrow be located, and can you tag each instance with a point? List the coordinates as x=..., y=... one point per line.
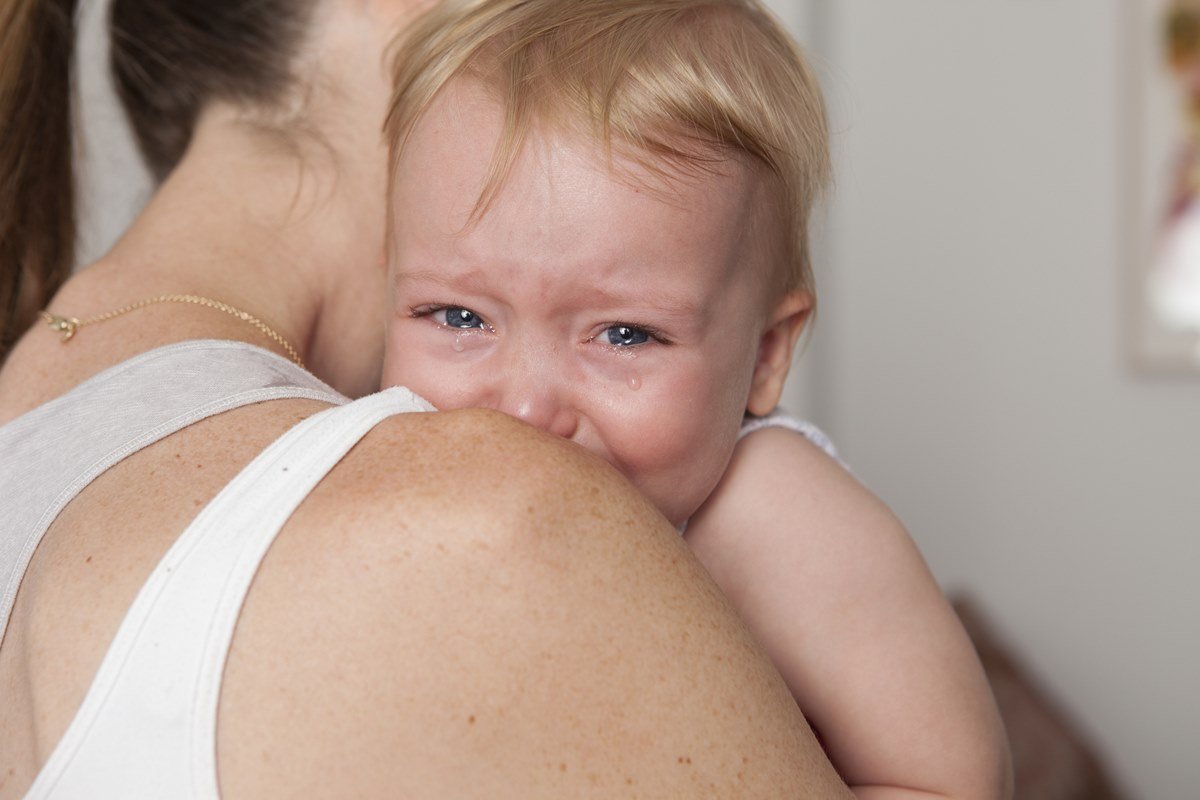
x=469, y=281
x=663, y=300
x=436, y=276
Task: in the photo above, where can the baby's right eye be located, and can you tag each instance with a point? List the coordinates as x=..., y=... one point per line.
x=627, y=336
x=458, y=317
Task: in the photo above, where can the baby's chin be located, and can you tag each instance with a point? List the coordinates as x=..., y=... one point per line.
x=682, y=500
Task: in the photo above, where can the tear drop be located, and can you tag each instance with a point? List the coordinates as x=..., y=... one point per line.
x=458, y=343
x=634, y=381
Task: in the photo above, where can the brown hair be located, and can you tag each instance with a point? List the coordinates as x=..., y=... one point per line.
x=37, y=198
x=169, y=58
x=676, y=84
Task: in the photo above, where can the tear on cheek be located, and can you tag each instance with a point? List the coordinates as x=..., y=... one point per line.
x=463, y=341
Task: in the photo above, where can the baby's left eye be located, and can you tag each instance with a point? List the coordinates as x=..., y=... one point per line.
x=626, y=336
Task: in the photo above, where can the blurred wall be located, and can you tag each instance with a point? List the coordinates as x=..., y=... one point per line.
x=969, y=358
x=113, y=184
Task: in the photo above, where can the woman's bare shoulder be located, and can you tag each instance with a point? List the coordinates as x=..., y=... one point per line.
x=465, y=606
x=461, y=464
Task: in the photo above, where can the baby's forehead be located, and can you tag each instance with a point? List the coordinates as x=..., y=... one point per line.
x=460, y=162
x=717, y=187
x=732, y=184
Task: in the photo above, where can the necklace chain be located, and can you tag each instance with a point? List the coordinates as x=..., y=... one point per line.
x=68, y=325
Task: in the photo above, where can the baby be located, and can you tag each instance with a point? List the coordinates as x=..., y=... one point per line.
x=599, y=226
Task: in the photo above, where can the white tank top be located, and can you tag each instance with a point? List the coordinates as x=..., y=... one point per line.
x=147, y=725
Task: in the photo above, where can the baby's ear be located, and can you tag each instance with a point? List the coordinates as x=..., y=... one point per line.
x=775, y=350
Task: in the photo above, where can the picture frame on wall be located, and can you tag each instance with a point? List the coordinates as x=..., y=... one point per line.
x=1162, y=295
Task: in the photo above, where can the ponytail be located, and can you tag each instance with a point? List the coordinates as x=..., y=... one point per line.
x=37, y=192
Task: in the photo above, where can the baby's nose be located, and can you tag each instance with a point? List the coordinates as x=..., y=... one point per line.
x=542, y=408
x=535, y=392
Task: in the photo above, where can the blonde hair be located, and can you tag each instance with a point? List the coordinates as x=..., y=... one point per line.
x=673, y=84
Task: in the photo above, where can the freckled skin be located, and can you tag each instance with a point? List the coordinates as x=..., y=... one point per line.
x=570, y=253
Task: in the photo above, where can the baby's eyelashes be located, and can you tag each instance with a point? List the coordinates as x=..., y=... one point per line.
x=451, y=316
x=458, y=317
x=629, y=335
x=625, y=336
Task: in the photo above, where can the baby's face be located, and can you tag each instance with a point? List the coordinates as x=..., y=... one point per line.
x=623, y=318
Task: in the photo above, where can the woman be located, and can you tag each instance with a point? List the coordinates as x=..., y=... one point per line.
x=457, y=607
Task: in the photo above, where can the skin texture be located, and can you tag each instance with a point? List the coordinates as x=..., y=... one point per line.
x=519, y=311
x=418, y=628
x=635, y=318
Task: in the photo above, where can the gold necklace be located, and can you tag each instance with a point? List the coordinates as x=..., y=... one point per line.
x=68, y=325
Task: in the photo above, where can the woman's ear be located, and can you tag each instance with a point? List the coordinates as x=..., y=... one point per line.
x=775, y=349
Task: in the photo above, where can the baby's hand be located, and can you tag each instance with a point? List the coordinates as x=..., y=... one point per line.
x=833, y=587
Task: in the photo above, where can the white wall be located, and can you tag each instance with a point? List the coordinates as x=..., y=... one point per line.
x=969, y=360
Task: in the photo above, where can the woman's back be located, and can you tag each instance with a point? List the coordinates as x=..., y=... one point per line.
x=98, y=553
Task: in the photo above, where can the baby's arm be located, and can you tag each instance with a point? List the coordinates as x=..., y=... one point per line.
x=835, y=590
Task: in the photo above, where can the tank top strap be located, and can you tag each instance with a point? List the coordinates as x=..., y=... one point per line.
x=48, y=455
x=147, y=726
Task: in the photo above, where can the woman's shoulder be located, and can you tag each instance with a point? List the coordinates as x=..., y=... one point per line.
x=432, y=596
x=450, y=467
x=439, y=492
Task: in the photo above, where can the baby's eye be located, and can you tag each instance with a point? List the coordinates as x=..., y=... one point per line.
x=458, y=317
x=626, y=336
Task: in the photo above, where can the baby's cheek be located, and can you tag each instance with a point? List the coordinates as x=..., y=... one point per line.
x=653, y=439
x=435, y=386
x=392, y=373
x=451, y=369
x=408, y=367
x=694, y=446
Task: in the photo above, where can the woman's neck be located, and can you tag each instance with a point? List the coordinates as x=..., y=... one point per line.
x=275, y=229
